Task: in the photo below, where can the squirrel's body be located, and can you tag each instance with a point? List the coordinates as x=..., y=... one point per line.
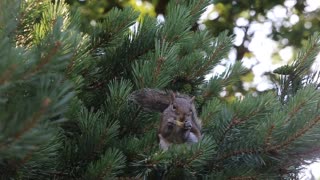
x=179, y=123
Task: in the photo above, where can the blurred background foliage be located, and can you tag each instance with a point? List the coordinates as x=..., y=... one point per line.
x=287, y=23
x=300, y=22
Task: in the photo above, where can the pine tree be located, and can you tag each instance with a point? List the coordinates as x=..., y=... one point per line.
x=66, y=79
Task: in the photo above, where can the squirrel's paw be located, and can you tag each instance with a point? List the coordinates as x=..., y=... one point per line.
x=187, y=125
x=171, y=122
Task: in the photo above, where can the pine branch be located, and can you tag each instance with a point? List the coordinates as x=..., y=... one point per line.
x=44, y=61
x=134, y=118
x=103, y=41
x=196, y=155
x=196, y=9
x=291, y=76
x=108, y=166
x=297, y=135
x=25, y=23
x=244, y=178
x=16, y=164
x=213, y=87
x=273, y=148
x=159, y=65
x=119, y=23
x=222, y=46
x=71, y=65
x=302, y=63
x=57, y=174
x=239, y=152
x=209, y=110
x=296, y=110
x=6, y=76
x=312, y=152
x=31, y=123
x=269, y=136
x=235, y=121
x=101, y=142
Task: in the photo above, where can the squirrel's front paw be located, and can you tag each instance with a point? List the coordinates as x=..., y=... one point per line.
x=170, y=122
x=187, y=125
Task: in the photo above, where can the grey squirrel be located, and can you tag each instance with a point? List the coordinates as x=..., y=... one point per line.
x=179, y=122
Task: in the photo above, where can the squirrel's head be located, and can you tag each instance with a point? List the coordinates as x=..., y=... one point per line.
x=182, y=107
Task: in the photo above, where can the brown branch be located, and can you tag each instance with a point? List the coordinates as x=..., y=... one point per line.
x=207, y=94
x=209, y=114
x=314, y=46
x=30, y=123
x=235, y=121
x=206, y=65
x=243, y=178
x=160, y=62
x=99, y=146
x=196, y=8
x=128, y=178
x=27, y=28
x=36, y=117
x=274, y=149
x=100, y=84
x=60, y=174
x=105, y=171
x=195, y=156
x=105, y=39
x=27, y=157
x=296, y=110
x=71, y=64
x=239, y=152
x=131, y=58
x=44, y=61
x=18, y=163
x=97, y=84
x=7, y=74
x=297, y=135
x=292, y=77
x=269, y=136
x=309, y=152
x=136, y=115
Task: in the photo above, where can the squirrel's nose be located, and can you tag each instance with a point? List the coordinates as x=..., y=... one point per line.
x=182, y=117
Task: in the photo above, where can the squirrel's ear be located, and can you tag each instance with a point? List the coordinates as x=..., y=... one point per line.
x=172, y=97
x=192, y=99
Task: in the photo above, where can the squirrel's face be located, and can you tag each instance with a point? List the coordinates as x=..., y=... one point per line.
x=182, y=109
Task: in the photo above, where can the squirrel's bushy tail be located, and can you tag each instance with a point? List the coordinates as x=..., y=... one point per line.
x=157, y=101
x=151, y=99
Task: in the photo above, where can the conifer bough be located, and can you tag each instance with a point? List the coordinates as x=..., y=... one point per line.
x=65, y=90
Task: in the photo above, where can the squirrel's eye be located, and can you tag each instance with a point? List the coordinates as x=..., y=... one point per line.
x=174, y=107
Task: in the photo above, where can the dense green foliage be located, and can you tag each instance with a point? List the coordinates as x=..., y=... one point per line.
x=65, y=80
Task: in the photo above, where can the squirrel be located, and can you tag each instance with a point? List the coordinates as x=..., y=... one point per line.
x=179, y=122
